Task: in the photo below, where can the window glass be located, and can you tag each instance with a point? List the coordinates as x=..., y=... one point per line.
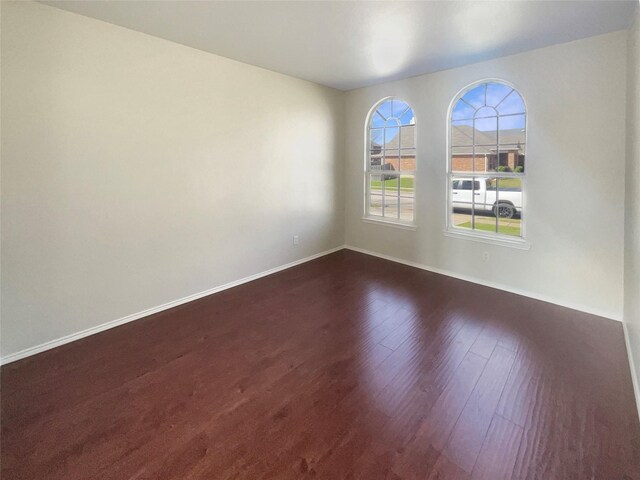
x=487, y=152
x=391, y=162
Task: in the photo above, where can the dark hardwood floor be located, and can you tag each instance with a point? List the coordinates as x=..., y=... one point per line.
x=345, y=367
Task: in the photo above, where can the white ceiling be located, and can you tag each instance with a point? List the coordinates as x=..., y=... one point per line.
x=353, y=44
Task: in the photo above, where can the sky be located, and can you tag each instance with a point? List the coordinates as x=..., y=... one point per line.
x=481, y=101
x=386, y=114
x=484, y=100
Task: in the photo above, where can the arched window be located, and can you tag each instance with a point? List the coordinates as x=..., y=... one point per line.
x=486, y=166
x=390, y=163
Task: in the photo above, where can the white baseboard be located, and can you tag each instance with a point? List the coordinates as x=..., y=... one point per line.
x=27, y=352
x=506, y=288
x=582, y=308
x=632, y=366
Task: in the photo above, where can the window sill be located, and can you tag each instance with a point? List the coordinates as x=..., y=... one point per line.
x=387, y=223
x=494, y=240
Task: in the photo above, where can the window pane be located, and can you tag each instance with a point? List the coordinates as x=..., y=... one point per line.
x=385, y=180
x=512, y=129
x=392, y=122
x=375, y=184
x=508, y=191
x=462, y=193
x=476, y=96
x=390, y=184
x=461, y=133
x=378, y=166
x=513, y=103
x=406, y=186
x=462, y=159
x=486, y=125
x=510, y=159
x=508, y=205
x=510, y=184
x=407, y=118
x=474, y=216
x=375, y=161
x=391, y=161
x=398, y=108
x=391, y=207
x=408, y=160
x=512, y=143
x=391, y=134
x=461, y=218
x=375, y=205
x=484, y=221
x=407, y=136
x=496, y=93
x=384, y=109
x=376, y=120
x=462, y=111
x=485, y=158
x=406, y=209
x=376, y=137
x=466, y=202
x=510, y=226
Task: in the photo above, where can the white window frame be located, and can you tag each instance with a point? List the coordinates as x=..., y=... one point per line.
x=478, y=235
x=376, y=219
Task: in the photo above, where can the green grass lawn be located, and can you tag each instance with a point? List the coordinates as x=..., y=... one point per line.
x=504, y=229
x=406, y=183
x=510, y=183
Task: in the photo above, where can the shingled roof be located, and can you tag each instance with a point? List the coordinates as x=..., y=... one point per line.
x=406, y=138
x=462, y=139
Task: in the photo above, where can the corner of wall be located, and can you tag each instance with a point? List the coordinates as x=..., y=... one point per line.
x=631, y=315
x=345, y=164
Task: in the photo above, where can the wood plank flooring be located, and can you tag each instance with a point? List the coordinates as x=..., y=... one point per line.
x=345, y=367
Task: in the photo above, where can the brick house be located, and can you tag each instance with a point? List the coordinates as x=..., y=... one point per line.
x=487, y=155
x=400, y=151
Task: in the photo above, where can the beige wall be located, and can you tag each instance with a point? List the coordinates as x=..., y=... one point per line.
x=632, y=204
x=136, y=171
x=575, y=93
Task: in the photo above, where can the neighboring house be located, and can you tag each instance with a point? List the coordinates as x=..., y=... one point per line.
x=487, y=157
x=401, y=150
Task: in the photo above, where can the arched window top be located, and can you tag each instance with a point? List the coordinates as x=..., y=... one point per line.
x=488, y=119
x=391, y=112
x=488, y=99
x=391, y=126
x=390, y=162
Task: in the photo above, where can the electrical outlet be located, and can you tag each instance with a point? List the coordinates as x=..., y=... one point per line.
x=296, y=240
x=485, y=256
